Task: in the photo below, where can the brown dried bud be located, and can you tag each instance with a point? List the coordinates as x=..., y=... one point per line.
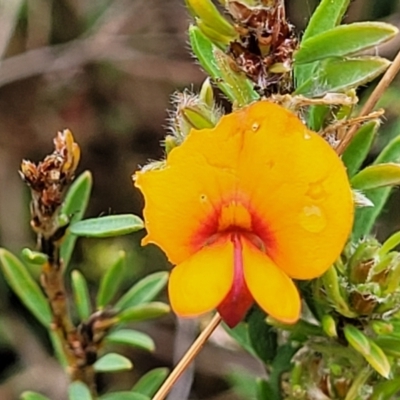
x=264, y=50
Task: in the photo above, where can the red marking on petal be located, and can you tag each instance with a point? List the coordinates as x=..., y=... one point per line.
x=239, y=300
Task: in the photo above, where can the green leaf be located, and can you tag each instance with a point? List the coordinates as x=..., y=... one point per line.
x=112, y=362
x=74, y=205
x=132, y=338
x=342, y=75
x=78, y=391
x=344, y=40
x=109, y=226
x=386, y=390
x=25, y=287
x=389, y=344
x=358, y=149
x=32, y=396
x=124, y=396
x=241, y=334
x=366, y=217
x=149, y=383
x=263, y=337
x=33, y=257
x=244, y=384
x=390, y=243
x=327, y=15
x=236, y=87
x=376, y=176
x=143, y=312
x=111, y=281
x=81, y=295
x=368, y=349
x=143, y=291
x=357, y=339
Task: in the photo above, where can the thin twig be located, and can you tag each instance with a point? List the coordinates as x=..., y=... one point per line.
x=372, y=100
x=187, y=358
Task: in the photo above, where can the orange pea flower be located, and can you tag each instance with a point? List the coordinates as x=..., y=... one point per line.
x=244, y=208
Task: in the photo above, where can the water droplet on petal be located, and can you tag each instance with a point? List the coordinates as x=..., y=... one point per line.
x=255, y=126
x=203, y=198
x=316, y=191
x=312, y=219
x=307, y=136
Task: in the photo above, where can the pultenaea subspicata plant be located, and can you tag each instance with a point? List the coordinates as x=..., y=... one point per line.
x=266, y=212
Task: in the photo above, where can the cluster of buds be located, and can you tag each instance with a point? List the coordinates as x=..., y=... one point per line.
x=48, y=181
x=259, y=43
x=358, y=307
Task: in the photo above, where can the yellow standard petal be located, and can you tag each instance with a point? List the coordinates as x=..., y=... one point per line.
x=270, y=287
x=200, y=283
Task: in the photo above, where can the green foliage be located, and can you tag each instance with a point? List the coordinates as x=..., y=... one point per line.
x=32, y=396
x=25, y=287
x=376, y=176
x=75, y=205
x=79, y=391
x=358, y=149
x=344, y=40
x=236, y=87
x=124, y=396
x=111, y=281
x=366, y=217
x=112, y=362
x=339, y=75
x=109, y=226
x=149, y=383
x=132, y=338
x=143, y=312
x=144, y=291
x=81, y=295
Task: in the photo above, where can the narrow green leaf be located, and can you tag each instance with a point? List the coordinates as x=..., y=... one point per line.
x=111, y=281
x=33, y=257
x=390, y=243
x=357, y=340
x=58, y=349
x=263, y=337
x=344, y=40
x=342, y=75
x=143, y=312
x=78, y=391
x=112, y=362
x=236, y=87
x=378, y=360
x=150, y=382
x=132, y=338
x=241, y=334
x=376, y=176
x=75, y=204
x=109, y=226
x=327, y=15
x=25, y=287
x=143, y=291
x=81, y=295
x=358, y=149
x=389, y=344
x=32, y=396
x=124, y=396
x=368, y=349
x=244, y=384
x=386, y=390
x=366, y=217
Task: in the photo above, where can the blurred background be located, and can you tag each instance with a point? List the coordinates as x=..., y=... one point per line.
x=106, y=69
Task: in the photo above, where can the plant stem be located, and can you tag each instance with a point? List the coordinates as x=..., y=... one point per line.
x=372, y=100
x=187, y=358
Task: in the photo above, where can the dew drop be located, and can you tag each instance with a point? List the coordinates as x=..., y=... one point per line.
x=255, y=126
x=312, y=219
x=307, y=136
x=316, y=191
x=203, y=198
